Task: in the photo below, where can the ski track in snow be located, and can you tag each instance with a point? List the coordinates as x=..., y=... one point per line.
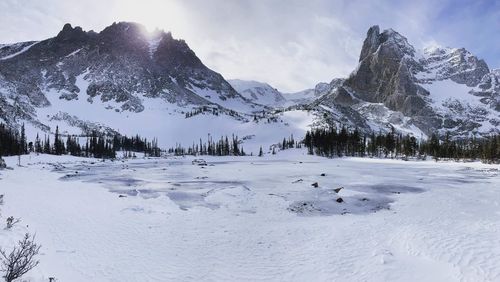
x=230, y=221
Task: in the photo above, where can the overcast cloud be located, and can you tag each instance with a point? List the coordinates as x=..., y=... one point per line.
x=290, y=44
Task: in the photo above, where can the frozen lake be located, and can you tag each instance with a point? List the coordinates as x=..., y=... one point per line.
x=252, y=219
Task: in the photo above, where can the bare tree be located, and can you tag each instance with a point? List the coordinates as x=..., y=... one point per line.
x=21, y=259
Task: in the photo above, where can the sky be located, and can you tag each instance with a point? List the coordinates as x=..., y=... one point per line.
x=290, y=44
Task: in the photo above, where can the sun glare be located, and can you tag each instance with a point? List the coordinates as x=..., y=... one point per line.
x=153, y=14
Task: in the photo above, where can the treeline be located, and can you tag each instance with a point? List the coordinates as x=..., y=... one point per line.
x=330, y=142
x=213, y=111
x=95, y=146
x=136, y=144
x=336, y=143
x=13, y=142
x=289, y=143
x=487, y=149
x=201, y=110
x=221, y=147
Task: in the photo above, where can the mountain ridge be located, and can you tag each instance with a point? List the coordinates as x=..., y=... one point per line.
x=125, y=73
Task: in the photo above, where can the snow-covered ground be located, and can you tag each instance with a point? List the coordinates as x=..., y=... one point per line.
x=256, y=219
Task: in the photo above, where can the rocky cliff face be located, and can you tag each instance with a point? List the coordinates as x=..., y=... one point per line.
x=121, y=67
x=385, y=73
x=435, y=90
x=488, y=89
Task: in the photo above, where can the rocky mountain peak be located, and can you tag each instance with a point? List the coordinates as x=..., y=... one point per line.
x=389, y=39
x=371, y=42
x=440, y=89
x=384, y=74
x=124, y=36
x=125, y=28
x=172, y=53
x=69, y=33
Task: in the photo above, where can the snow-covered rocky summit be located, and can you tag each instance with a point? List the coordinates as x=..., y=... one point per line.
x=436, y=89
x=123, y=68
x=265, y=94
x=457, y=64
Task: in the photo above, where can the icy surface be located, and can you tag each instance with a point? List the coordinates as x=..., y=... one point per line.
x=237, y=219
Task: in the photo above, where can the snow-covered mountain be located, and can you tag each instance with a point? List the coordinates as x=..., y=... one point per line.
x=258, y=92
x=124, y=79
x=89, y=80
x=436, y=89
x=308, y=96
x=265, y=94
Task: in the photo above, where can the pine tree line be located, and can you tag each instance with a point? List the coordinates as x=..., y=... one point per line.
x=13, y=142
x=136, y=144
x=337, y=143
x=213, y=111
x=222, y=147
x=330, y=142
x=486, y=149
x=201, y=110
x=289, y=143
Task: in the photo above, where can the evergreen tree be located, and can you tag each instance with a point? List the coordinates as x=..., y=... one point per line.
x=38, y=145
x=23, y=144
x=46, y=146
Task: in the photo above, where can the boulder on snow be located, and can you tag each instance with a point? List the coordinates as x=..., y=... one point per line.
x=340, y=200
x=337, y=190
x=315, y=185
x=323, y=174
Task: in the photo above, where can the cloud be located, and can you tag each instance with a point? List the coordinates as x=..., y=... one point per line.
x=291, y=44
